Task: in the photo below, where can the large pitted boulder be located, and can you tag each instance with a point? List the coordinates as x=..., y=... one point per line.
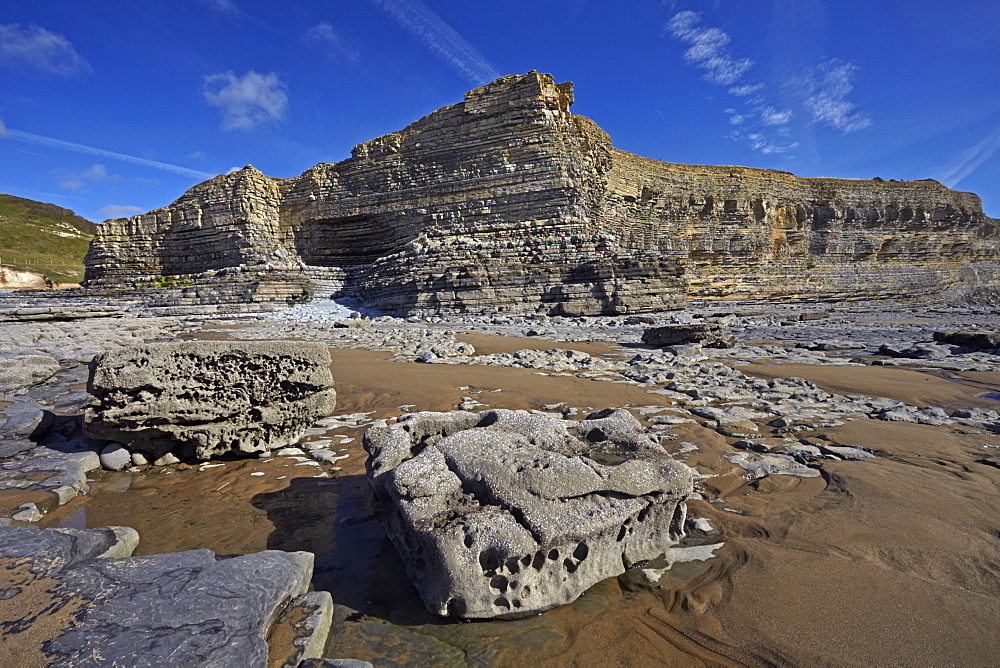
x=205, y=398
x=708, y=334
x=502, y=514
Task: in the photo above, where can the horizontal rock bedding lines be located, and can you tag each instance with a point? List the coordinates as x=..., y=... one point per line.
x=206, y=398
x=508, y=202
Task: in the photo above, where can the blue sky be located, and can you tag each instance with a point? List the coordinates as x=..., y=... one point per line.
x=115, y=108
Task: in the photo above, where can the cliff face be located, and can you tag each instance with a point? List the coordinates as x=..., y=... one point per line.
x=761, y=234
x=224, y=222
x=508, y=202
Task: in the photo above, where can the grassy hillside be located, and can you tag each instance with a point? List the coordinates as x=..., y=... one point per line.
x=43, y=238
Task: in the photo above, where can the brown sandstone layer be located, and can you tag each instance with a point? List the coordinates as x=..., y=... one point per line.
x=509, y=202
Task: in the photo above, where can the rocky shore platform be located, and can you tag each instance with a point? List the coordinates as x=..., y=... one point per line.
x=844, y=462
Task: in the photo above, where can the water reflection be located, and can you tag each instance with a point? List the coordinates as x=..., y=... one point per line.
x=380, y=615
x=77, y=520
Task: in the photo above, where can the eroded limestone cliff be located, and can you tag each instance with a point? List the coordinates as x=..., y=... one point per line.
x=508, y=202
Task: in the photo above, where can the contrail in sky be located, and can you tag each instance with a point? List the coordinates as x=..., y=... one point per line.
x=970, y=159
x=80, y=148
x=420, y=21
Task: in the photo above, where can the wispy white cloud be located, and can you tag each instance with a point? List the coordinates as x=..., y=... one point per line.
x=328, y=39
x=33, y=48
x=824, y=90
x=3, y=128
x=764, y=119
x=95, y=173
x=221, y=6
x=246, y=101
x=970, y=160
x=773, y=117
x=745, y=89
x=766, y=145
x=417, y=19
x=119, y=211
x=80, y=148
x=707, y=49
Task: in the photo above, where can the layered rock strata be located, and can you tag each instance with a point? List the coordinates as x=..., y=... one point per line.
x=503, y=514
x=205, y=398
x=509, y=202
x=61, y=312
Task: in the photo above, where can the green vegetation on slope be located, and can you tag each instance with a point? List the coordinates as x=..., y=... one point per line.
x=43, y=238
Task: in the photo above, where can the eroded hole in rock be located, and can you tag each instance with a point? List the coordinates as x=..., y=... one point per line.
x=489, y=561
x=554, y=554
x=525, y=560
x=517, y=603
x=643, y=514
x=597, y=435
x=538, y=561
x=513, y=565
x=622, y=533
x=499, y=582
x=581, y=552
x=502, y=602
x=468, y=540
x=456, y=607
x=525, y=591
x=570, y=565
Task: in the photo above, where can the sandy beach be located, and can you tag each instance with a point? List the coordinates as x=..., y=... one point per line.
x=890, y=560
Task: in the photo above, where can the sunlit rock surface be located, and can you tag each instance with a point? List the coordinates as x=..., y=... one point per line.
x=502, y=514
x=206, y=398
x=506, y=201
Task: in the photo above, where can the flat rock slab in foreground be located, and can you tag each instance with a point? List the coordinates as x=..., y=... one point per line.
x=206, y=398
x=502, y=514
x=75, y=598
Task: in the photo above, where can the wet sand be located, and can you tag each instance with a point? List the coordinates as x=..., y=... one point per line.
x=367, y=380
x=920, y=388
x=894, y=560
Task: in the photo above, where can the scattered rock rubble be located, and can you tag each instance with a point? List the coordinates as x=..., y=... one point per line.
x=44, y=458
